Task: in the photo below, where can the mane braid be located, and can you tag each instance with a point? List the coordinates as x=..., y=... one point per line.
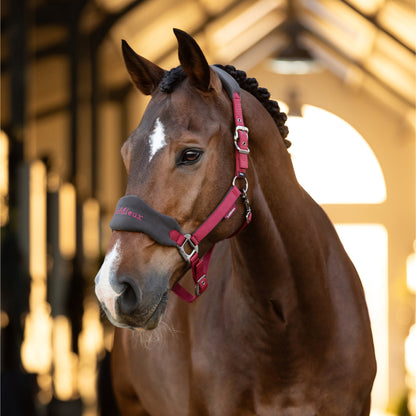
x=176, y=75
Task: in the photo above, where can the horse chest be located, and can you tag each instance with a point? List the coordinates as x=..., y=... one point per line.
x=173, y=387
x=200, y=369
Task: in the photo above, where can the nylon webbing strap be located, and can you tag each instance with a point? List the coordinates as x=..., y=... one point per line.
x=228, y=82
x=241, y=133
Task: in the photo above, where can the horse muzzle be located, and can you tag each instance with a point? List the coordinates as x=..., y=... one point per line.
x=127, y=301
x=126, y=309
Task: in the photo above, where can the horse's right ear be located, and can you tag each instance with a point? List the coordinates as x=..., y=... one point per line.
x=146, y=76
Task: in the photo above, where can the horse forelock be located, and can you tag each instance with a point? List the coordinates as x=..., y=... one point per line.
x=172, y=79
x=176, y=76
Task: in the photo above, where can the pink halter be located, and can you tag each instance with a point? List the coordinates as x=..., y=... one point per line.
x=133, y=214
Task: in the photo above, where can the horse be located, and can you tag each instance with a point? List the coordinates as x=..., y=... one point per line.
x=278, y=323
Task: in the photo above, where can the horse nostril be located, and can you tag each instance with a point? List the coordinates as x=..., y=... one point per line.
x=131, y=296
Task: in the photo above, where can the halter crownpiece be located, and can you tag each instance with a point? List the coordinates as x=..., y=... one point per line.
x=134, y=214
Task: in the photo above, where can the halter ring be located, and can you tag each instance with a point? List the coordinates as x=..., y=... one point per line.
x=187, y=257
x=237, y=177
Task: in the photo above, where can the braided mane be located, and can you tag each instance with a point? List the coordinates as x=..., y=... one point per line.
x=176, y=75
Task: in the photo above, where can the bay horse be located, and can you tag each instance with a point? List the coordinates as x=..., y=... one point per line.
x=278, y=325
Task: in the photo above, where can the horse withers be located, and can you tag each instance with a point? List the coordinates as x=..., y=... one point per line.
x=278, y=324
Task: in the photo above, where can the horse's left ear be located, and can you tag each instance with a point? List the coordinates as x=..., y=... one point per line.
x=195, y=64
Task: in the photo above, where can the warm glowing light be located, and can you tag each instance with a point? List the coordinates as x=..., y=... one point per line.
x=332, y=161
x=4, y=178
x=91, y=228
x=113, y=5
x=37, y=220
x=67, y=221
x=410, y=352
x=411, y=272
x=36, y=348
x=91, y=348
x=369, y=7
x=45, y=388
x=231, y=38
x=294, y=66
x=366, y=244
x=387, y=67
x=109, y=339
x=410, y=344
x=157, y=38
x=234, y=28
x=336, y=166
x=65, y=361
x=342, y=25
x=5, y=320
x=399, y=18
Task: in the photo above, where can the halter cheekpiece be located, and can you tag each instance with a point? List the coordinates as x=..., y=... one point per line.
x=133, y=214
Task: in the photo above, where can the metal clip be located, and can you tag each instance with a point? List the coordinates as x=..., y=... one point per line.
x=187, y=257
x=244, y=197
x=246, y=201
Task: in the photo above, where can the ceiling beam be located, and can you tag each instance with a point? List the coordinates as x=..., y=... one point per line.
x=338, y=54
x=373, y=21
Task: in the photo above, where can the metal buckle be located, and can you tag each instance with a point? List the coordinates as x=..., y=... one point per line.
x=236, y=136
x=187, y=257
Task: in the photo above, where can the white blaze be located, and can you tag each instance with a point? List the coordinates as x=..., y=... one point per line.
x=103, y=289
x=157, y=139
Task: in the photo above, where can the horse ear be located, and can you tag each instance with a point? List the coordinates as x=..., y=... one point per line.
x=195, y=64
x=146, y=76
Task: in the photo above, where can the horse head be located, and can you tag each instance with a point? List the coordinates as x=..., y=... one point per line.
x=180, y=164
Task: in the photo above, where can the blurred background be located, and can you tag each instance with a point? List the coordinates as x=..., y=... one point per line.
x=344, y=70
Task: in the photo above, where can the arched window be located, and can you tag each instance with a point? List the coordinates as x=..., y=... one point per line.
x=332, y=161
x=336, y=165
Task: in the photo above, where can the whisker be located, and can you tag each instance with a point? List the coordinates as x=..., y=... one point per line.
x=148, y=339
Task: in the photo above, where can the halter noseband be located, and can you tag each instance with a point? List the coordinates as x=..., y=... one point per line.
x=133, y=214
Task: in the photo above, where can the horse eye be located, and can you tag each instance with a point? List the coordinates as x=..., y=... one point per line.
x=190, y=156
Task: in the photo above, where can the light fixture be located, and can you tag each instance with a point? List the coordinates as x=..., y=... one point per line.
x=293, y=58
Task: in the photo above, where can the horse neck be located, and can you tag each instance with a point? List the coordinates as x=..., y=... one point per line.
x=280, y=257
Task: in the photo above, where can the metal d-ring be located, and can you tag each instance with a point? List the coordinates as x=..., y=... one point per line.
x=237, y=177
